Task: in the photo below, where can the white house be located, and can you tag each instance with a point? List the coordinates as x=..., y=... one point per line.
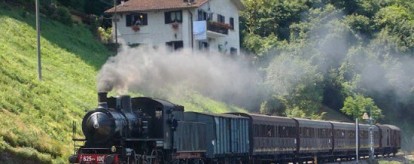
x=206, y=25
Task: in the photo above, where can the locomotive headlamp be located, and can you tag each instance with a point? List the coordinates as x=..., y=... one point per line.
x=113, y=149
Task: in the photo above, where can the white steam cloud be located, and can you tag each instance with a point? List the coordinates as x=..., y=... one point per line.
x=160, y=72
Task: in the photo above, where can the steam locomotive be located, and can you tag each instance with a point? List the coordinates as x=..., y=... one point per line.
x=147, y=130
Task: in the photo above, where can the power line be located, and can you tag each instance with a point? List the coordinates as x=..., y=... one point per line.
x=39, y=57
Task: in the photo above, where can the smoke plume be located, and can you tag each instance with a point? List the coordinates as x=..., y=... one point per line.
x=161, y=72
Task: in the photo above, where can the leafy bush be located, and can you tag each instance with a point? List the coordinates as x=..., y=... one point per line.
x=360, y=23
x=105, y=35
x=273, y=106
x=357, y=105
x=61, y=14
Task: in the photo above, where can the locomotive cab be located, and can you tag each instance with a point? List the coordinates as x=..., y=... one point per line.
x=163, y=117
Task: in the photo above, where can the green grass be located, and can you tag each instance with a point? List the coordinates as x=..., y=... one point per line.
x=36, y=116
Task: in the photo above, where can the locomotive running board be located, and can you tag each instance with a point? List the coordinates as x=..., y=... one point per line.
x=78, y=139
x=188, y=155
x=143, y=139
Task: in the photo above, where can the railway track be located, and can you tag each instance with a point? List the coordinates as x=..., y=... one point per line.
x=402, y=159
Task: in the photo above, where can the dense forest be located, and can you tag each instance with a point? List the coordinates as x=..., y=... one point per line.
x=316, y=56
x=355, y=56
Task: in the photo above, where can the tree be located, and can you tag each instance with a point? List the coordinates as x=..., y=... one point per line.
x=296, y=82
x=267, y=22
x=396, y=25
x=273, y=106
x=355, y=106
x=264, y=17
x=360, y=24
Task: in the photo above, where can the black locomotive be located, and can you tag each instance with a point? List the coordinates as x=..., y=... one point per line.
x=146, y=130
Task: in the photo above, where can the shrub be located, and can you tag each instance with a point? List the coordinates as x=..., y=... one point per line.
x=58, y=13
x=104, y=35
x=63, y=16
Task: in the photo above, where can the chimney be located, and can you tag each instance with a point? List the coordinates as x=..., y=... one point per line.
x=102, y=97
x=103, y=100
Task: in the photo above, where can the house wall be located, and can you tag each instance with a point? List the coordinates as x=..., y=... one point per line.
x=155, y=33
x=227, y=9
x=187, y=28
x=158, y=33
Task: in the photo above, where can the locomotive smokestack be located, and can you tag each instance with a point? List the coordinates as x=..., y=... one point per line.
x=103, y=100
x=102, y=97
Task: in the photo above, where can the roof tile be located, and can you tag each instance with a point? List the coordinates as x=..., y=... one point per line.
x=148, y=5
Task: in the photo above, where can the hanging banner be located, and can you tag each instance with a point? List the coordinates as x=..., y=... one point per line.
x=200, y=30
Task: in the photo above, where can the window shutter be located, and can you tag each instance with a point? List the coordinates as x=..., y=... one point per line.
x=145, y=19
x=128, y=20
x=200, y=14
x=167, y=17
x=232, y=23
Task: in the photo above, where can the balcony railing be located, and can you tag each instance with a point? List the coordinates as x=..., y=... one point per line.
x=218, y=27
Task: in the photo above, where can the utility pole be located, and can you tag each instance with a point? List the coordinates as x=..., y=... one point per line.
x=115, y=19
x=371, y=137
x=356, y=140
x=39, y=57
x=371, y=134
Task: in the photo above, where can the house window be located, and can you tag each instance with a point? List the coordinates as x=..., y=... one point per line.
x=136, y=19
x=209, y=16
x=201, y=15
x=173, y=16
x=175, y=45
x=203, y=45
x=220, y=18
x=231, y=23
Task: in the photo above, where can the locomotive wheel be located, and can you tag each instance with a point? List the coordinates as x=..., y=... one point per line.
x=197, y=161
x=131, y=159
x=155, y=161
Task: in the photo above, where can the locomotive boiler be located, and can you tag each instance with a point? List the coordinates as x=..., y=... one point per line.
x=125, y=130
x=104, y=126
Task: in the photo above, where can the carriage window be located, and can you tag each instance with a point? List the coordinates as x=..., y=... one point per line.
x=351, y=134
x=269, y=131
x=321, y=132
x=312, y=132
x=256, y=130
x=261, y=131
x=292, y=132
x=285, y=132
x=338, y=134
x=288, y=132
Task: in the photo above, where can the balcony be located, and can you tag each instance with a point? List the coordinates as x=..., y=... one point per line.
x=218, y=27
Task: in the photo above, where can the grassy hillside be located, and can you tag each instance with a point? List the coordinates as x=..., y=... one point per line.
x=36, y=116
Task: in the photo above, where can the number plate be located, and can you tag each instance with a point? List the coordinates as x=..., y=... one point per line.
x=93, y=158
